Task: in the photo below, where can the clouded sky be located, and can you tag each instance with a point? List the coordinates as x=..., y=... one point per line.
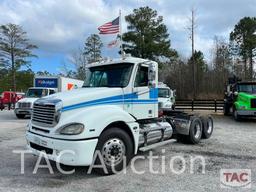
x=59, y=27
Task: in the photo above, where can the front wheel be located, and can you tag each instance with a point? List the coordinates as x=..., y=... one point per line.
x=235, y=115
x=115, y=148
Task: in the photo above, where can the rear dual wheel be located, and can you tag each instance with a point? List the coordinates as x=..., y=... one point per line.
x=207, y=127
x=200, y=128
x=195, y=131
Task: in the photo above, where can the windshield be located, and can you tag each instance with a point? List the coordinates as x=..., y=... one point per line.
x=162, y=92
x=117, y=75
x=36, y=93
x=249, y=88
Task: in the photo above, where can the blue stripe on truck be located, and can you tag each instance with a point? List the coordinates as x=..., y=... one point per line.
x=127, y=98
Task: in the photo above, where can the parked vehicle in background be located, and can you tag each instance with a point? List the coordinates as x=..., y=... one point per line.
x=44, y=86
x=20, y=95
x=240, y=98
x=166, y=96
x=115, y=114
x=1, y=103
x=8, y=99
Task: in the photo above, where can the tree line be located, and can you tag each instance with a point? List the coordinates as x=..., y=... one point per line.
x=146, y=37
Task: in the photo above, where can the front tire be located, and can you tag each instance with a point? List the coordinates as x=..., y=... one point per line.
x=114, y=146
x=235, y=115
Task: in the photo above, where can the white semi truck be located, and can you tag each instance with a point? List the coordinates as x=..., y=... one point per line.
x=44, y=86
x=166, y=97
x=115, y=114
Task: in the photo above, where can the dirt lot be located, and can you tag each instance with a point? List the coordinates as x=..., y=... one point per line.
x=232, y=146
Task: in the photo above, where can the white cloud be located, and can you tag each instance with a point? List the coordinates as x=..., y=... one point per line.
x=59, y=26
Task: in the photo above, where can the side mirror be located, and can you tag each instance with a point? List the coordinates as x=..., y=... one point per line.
x=152, y=75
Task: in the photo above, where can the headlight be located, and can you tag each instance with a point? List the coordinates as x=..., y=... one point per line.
x=71, y=129
x=58, y=106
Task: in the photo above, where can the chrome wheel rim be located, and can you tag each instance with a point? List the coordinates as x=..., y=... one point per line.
x=197, y=131
x=113, y=151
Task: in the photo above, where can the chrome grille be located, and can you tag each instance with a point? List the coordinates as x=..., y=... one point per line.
x=43, y=114
x=24, y=105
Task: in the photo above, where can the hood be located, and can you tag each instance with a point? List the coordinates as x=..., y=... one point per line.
x=162, y=99
x=247, y=95
x=28, y=100
x=83, y=95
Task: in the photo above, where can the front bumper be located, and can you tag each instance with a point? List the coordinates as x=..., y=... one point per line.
x=251, y=113
x=67, y=152
x=25, y=111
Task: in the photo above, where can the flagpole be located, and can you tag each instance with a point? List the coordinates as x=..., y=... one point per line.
x=120, y=33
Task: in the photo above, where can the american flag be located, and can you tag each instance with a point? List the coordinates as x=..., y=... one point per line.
x=110, y=27
x=113, y=43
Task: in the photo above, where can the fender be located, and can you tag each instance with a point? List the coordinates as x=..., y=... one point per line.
x=97, y=118
x=237, y=104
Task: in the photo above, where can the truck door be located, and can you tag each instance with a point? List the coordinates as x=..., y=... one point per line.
x=143, y=105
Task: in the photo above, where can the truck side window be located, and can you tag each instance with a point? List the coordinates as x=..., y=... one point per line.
x=141, y=79
x=51, y=92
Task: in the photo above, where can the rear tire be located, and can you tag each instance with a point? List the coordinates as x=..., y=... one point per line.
x=20, y=116
x=207, y=127
x=114, y=144
x=195, y=131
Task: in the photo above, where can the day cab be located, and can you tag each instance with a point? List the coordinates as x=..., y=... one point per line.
x=245, y=100
x=166, y=97
x=115, y=113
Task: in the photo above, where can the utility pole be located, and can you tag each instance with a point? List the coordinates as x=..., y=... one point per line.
x=193, y=52
x=191, y=27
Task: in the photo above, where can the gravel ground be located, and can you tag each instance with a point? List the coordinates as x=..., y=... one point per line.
x=232, y=146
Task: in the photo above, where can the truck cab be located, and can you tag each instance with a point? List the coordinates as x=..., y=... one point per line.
x=115, y=113
x=166, y=97
x=24, y=106
x=240, y=99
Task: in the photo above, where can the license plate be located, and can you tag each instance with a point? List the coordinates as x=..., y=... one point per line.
x=37, y=140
